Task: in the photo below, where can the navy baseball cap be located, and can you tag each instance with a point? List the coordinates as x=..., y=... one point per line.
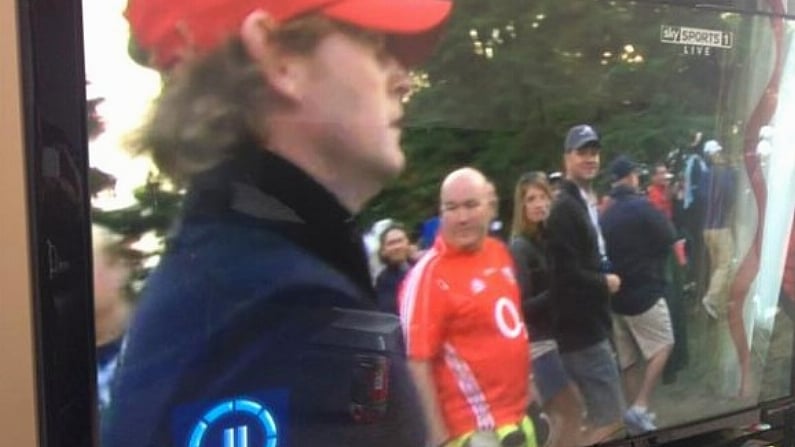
x=621, y=167
x=580, y=136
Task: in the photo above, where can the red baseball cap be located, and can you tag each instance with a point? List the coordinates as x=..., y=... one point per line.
x=167, y=29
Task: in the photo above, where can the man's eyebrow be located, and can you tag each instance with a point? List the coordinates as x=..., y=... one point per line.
x=464, y=201
x=454, y=203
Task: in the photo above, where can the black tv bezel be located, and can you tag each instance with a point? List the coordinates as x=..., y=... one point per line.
x=54, y=117
x=53, y=89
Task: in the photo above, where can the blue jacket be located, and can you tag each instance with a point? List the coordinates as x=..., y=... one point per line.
x=721, y=194
x=262, y=297
x=387, y=284
x=639, y=239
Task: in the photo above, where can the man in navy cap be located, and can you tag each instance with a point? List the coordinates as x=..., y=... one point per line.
x=581, y=284
x=639, y=239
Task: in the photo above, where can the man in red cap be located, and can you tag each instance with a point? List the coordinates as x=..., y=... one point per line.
x=282, y=118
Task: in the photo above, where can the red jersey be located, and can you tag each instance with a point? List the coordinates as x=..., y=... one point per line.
x=660, y=199
x=461, y=311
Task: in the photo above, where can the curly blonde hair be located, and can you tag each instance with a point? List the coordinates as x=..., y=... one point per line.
x=215, y=103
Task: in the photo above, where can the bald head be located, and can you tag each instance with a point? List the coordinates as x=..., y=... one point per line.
x=467, y=175
x=465, y=211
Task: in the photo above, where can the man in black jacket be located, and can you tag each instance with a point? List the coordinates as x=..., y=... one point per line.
x=580, y=287
x=639, y=239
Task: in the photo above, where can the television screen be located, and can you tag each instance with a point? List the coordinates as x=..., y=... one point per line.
x=386, y=223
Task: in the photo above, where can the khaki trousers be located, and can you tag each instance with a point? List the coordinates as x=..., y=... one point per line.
x=720, y=247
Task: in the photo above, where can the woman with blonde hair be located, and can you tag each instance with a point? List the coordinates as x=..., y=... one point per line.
x=557, y=394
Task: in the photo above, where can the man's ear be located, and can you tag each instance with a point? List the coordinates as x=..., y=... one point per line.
x=278, y=67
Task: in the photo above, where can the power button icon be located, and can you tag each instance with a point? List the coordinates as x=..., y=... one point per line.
x=235, y=423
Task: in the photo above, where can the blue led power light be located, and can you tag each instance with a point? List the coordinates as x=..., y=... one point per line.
x=242, y=412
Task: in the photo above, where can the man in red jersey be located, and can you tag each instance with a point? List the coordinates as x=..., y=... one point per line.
x=465, y=336
x=659, y=190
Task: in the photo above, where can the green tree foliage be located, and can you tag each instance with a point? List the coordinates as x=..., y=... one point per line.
x=510, y=77
x=154, y=211
x=155, y=204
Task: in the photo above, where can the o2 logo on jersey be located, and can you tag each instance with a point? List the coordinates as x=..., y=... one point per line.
x=235, y=423
x=509, y=322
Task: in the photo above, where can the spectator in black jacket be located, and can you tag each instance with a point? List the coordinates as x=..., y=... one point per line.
x=394, y=249
x=580, y=287
x=639, y=239
x=557, y=393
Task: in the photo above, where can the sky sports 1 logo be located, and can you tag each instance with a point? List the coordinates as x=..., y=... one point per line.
x=682, y=35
